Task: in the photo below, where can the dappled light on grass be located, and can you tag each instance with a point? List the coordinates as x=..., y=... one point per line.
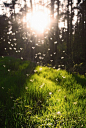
x=40, y=96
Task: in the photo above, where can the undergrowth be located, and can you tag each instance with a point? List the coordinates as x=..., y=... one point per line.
x=40, y=97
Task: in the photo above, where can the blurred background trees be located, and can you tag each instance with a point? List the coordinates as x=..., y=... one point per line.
x=62, y=45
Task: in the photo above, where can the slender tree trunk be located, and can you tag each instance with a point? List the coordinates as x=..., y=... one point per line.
x=31, y=5
x=68, y=29
x=71, y=27
x=52, y=9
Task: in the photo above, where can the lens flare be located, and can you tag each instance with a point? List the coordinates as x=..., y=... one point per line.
x=37, y=21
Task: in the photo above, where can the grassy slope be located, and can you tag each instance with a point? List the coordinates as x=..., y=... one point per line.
x=40, y=96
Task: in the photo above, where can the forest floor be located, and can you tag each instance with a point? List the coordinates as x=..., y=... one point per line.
x=40, y=97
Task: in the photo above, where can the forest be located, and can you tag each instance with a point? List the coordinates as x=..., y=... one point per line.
x=62, y=46
x=43, y=64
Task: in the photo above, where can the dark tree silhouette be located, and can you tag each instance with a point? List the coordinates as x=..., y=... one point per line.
x=68, y=43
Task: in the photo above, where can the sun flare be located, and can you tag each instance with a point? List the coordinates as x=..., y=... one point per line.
x=37, y=21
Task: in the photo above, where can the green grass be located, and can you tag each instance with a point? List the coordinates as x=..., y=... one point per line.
x=40, y=97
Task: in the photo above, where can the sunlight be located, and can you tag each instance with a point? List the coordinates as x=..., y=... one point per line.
x=61, y=24
x=38, y=20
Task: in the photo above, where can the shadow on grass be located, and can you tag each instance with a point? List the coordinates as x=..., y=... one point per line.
x=13, y=76
x=81, y=79
x=29, y=98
